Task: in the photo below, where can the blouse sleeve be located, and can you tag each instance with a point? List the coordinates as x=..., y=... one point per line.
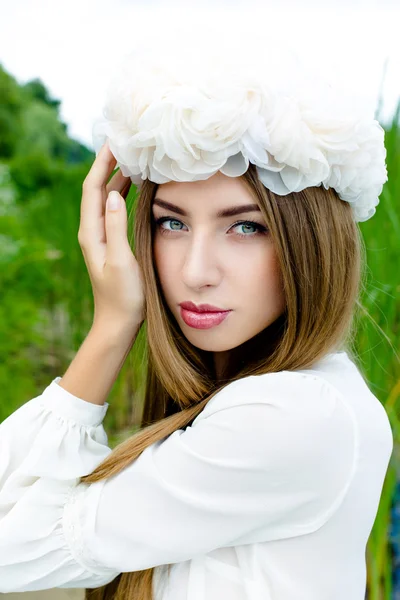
x=271, y=456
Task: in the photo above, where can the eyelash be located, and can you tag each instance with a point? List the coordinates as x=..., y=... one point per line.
x=261, y=229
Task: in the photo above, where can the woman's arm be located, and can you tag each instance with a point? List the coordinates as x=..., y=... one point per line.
x=116, y=281
x=248, y=470
x=96, y=366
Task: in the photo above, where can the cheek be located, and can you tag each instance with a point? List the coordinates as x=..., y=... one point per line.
x=262, y=281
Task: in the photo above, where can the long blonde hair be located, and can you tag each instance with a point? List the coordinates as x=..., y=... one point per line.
x=322, y=259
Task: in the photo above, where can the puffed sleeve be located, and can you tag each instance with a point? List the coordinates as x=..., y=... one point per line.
x=271, y=456
x=45, y=446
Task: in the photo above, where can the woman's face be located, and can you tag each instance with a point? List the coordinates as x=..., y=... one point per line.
x=224, y=261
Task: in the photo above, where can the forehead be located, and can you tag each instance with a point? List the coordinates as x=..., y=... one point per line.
x=213, y=195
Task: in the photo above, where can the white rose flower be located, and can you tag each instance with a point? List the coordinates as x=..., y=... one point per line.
x=171, y=116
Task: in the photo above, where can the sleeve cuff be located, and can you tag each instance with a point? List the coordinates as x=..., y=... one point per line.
x=65, y=404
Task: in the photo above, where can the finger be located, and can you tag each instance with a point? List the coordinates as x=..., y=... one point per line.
x=91, y=228
x=116, y=231
x=118, y=182
x=125, y=191
x=101, y=168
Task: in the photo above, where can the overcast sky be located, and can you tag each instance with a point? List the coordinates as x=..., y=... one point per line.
x=72, y=45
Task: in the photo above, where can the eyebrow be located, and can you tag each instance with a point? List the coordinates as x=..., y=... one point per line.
x=226, y=212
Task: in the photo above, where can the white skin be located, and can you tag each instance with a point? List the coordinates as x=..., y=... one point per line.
x=202, y=259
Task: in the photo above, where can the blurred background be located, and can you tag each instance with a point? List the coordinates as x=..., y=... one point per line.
x=55, y=61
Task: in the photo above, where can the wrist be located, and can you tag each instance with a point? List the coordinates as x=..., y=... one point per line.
x=96, y=366
x=114, y=333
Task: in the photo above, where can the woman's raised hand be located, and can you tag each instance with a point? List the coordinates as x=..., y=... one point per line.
x=113, y=270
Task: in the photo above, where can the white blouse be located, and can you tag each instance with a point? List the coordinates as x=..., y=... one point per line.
x=270, y=494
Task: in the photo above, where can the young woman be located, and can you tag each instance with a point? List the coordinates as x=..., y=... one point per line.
x=258, y=471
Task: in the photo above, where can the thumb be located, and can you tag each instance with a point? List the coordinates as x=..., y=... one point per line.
x=116, y=227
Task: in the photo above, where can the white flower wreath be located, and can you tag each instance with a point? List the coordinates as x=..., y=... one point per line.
x=184, y=115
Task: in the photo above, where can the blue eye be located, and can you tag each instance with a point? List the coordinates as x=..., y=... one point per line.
x=163, y=220
x=248, y=224
x=260, y=229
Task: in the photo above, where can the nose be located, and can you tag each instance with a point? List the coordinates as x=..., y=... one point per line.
x=200, y=265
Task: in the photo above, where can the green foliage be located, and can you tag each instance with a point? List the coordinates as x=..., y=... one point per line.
x=36, y=90
x=44, y=283
x=378, y=344
x=379, y=328
x=10, y=114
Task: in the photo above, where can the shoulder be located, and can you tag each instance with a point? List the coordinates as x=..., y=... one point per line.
x=295, y=392
x=297, y=405
x=287, y=423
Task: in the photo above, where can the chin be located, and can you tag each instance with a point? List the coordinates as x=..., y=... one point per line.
x=211, y=340
x=211, y=347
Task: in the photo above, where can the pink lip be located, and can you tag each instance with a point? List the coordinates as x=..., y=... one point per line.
x=203, y=320
x=201, y=308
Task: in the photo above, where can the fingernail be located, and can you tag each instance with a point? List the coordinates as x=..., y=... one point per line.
x=113, y=201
